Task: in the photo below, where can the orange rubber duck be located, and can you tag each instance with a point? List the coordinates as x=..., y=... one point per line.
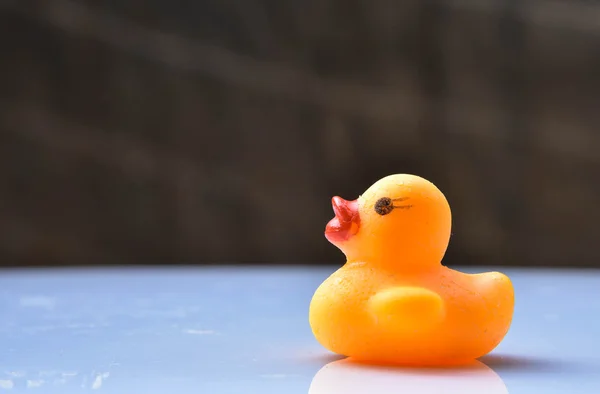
x=393, y=301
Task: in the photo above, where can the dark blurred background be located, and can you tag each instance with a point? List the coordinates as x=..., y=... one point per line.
x=216, y=131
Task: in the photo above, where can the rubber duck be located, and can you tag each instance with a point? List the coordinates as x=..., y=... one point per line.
x=393, y=301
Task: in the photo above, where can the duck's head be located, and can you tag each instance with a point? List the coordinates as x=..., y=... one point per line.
x=402, y=219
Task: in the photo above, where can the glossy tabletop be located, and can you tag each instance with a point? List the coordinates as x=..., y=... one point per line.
x=245, y=330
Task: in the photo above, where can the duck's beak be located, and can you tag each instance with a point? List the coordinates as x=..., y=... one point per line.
x=346, y=221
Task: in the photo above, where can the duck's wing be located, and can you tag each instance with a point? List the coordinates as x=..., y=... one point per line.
x=405, y=308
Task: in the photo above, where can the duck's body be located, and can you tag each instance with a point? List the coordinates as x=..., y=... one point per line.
x=380, y=309
x=470, y=318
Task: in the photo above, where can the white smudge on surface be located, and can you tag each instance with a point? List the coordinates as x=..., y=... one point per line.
x=6, y=384
x=38, y=302
x=35, y=383
x=99, y=380
x=199, y=332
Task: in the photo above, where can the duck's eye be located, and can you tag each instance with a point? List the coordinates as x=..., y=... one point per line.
x=384, y=205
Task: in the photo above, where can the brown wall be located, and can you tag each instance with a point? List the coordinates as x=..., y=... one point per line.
x=144, y=132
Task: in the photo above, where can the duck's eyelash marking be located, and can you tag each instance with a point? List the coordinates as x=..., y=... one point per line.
x=385, y=205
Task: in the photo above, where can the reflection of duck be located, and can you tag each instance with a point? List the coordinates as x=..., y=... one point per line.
x=393, y=301
x=346, y=377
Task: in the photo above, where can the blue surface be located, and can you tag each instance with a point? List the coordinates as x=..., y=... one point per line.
x=240, y=330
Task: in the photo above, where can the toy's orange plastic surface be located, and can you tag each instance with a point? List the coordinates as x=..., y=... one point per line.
x=393, y=301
